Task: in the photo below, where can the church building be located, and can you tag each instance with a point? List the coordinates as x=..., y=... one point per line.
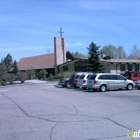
x=48, y=62
x=62, y=60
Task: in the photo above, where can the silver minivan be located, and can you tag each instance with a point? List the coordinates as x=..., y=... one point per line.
x=108, y=81
x=82, y=80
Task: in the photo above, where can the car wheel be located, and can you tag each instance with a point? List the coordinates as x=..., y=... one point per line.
x=103, y=88
x=129, y=86
x=67, y=84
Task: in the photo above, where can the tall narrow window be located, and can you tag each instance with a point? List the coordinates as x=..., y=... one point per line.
x=136, y=67
x=129, y=67
x=122, y=67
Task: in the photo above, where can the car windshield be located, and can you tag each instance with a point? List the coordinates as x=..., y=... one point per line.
x=76, y=77
x=70, y=75
x=82, y=76
x=92, y=77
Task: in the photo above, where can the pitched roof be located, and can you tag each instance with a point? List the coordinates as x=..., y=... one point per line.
x=37, y=62
x=105, y=61
x=121, y=60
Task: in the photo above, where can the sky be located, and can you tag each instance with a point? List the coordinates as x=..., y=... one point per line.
x=28, y=27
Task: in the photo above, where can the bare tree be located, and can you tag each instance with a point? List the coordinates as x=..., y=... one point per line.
x=112, y=51
x=135, y=53
x=121, y=53
x=109, y=50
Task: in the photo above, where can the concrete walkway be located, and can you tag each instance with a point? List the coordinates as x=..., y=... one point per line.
x=35, y=81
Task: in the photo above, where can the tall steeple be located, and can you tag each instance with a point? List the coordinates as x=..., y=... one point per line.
x=59, y=51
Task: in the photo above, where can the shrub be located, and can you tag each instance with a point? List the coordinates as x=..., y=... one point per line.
x=43, y=73
x=31, y=74
x=2, y=83
x=38, y=75
x=63, y=74
x=10, y=77
x=50, y=77
x=22, y=76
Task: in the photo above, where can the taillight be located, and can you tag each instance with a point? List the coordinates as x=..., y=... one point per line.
x=84, y=81
x=95, y=81
x=75, y=80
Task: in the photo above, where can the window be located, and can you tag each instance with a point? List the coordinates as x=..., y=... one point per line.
x=82, y=76
x=65, y=68
x=92, y=77
x=81, y=68
x=128, y=75
x=135, y=74
x=107, y=77
x=122, y=67
x=120, y=77
x=76, y=77
x=101, y=77
x=88, y=76
x=71, y=76
x=129, y=67
x=136, y=67
x=114, y=77
x=110, y=77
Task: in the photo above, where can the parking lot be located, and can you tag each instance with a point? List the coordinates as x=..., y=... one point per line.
x=44, y=111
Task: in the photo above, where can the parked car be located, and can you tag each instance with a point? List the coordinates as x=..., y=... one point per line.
x=132, y=75
x=73, y=79
x=82, y=80
x=137, y=84
x=106, y=81
x=64, y=81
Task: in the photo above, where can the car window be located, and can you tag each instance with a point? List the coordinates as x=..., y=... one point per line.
x=110, y=77
x=82, y=76
x=107, y=77
x=76, y=77
x=92, y=77
x=128, y=75
x=135, y=74
x=71, y=76
x=114, y=77
x=101, y=77
x=88, y=76
x=120, y=77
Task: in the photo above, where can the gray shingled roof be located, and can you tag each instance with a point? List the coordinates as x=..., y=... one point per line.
x=37, y=62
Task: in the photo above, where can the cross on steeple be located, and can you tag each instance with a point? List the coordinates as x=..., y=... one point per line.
x=60, y=32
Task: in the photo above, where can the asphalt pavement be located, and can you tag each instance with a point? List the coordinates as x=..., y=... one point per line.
x=43, y=111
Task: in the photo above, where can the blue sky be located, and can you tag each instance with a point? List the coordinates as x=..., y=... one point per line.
x=28, y=27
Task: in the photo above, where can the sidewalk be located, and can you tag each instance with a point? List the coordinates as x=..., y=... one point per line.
x=35, y=81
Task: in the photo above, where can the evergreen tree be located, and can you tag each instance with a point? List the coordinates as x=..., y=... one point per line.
x=3, y=71
x=8, y=61
x=94, y=63
x=15, y=67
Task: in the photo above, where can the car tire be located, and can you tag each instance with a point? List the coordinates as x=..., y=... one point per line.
x=67, y=84
x=103, y=88
x=129, y=87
